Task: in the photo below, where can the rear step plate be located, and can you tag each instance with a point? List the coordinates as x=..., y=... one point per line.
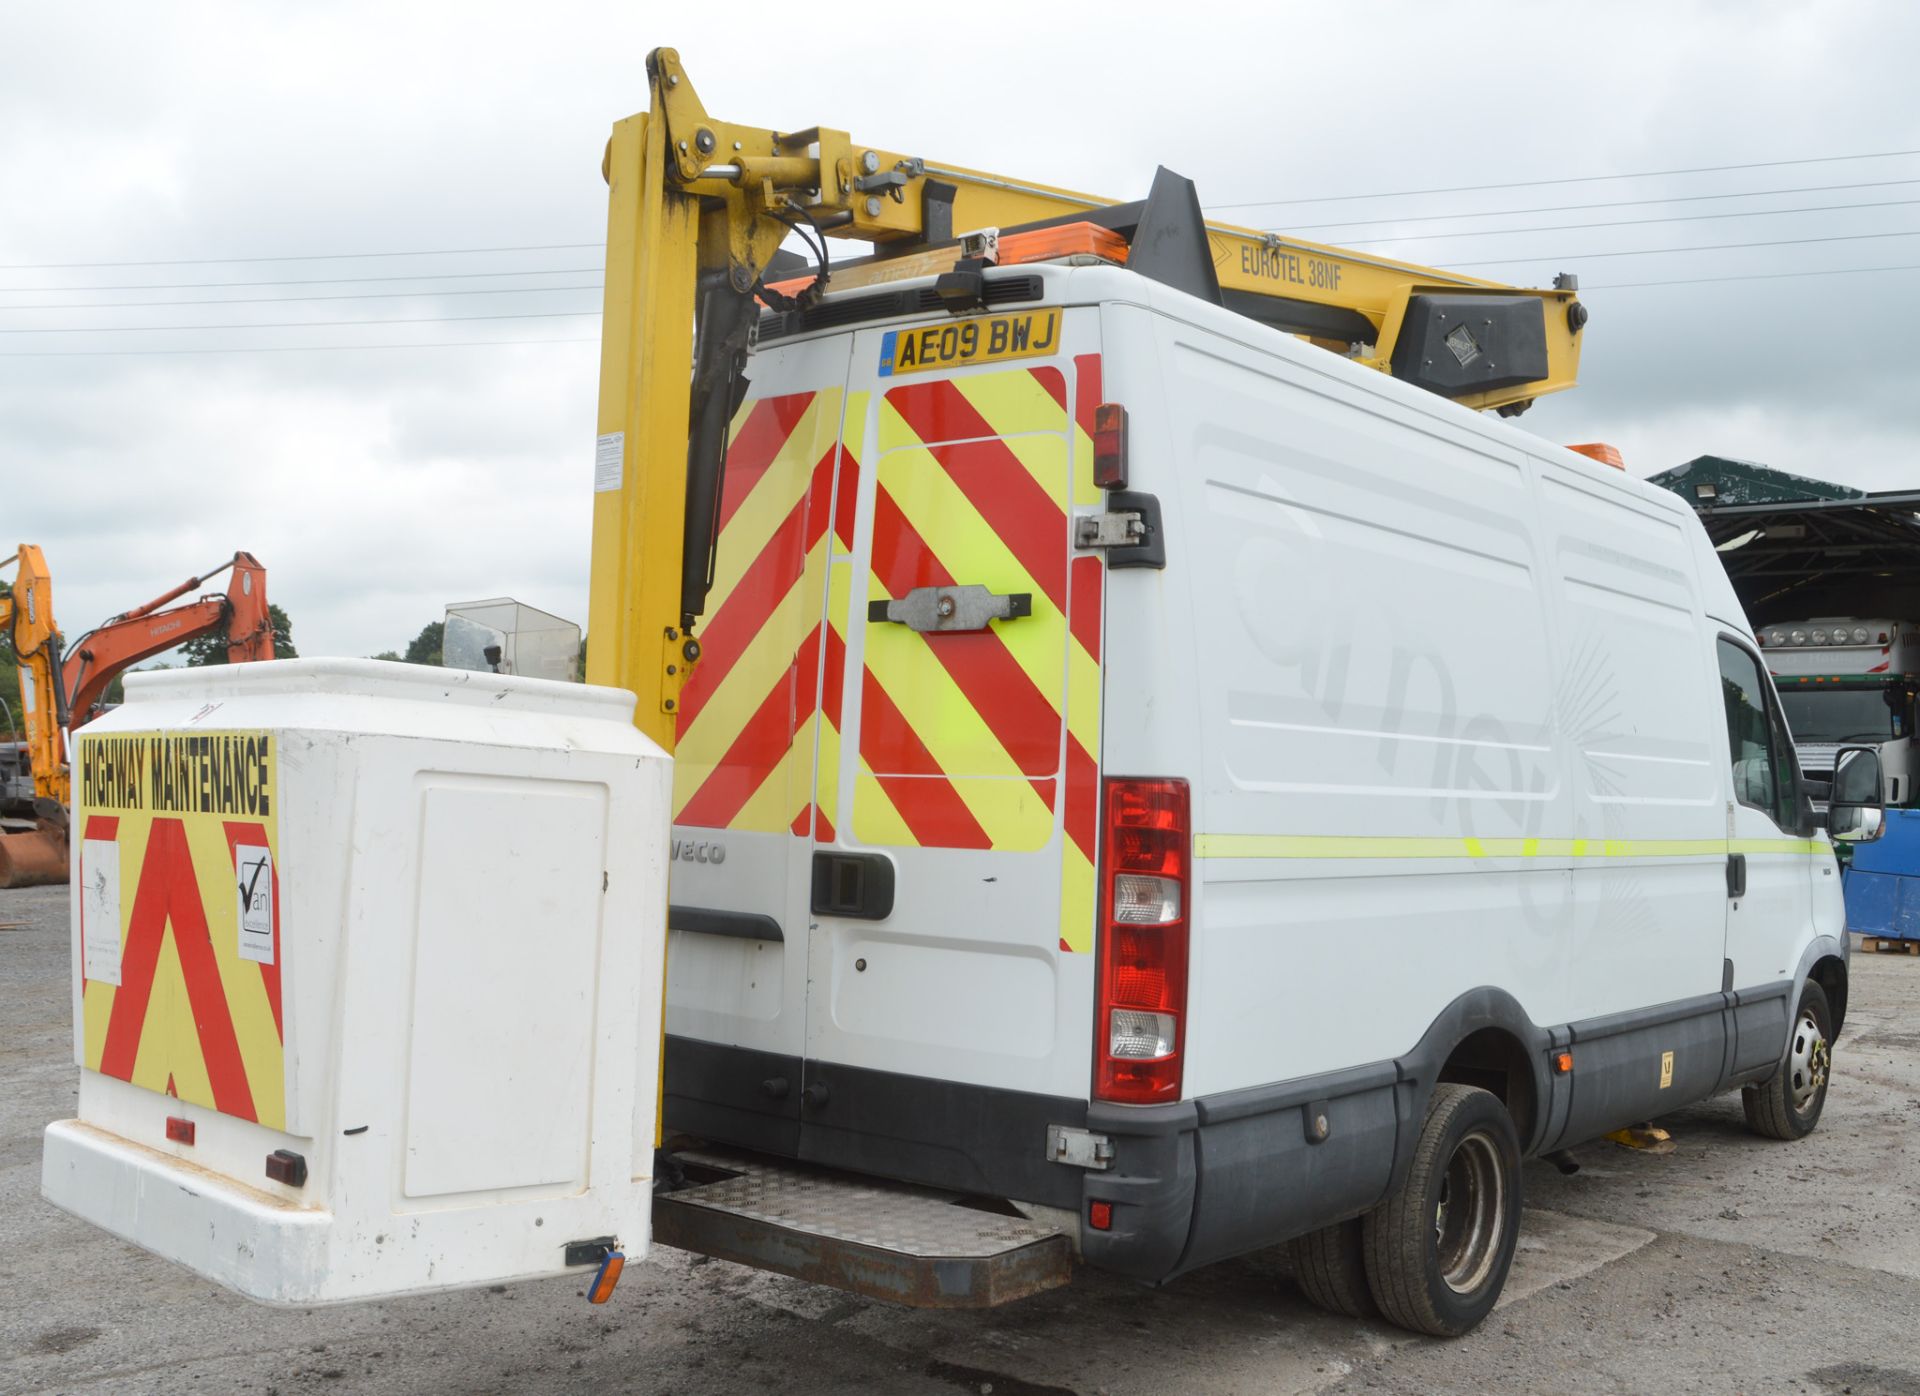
x=907, y=1245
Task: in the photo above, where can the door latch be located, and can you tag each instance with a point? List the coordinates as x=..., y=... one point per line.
x=1736, y=875
x=954, y=609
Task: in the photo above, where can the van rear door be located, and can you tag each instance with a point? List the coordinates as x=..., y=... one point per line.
x=748, y=730
x=954, y=844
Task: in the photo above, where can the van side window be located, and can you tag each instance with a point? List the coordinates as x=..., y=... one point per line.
x=1762, y=771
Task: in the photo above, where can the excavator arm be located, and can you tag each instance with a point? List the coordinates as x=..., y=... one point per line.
x=698, y=209
x=26, y=615
x=240, y=614
x=34, y=851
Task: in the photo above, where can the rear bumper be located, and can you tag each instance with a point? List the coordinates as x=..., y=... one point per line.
x=246, y=1240
x=1190, y=1183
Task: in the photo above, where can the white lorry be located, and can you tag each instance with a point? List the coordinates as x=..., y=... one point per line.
x=1189, y=789
x=1848, y=681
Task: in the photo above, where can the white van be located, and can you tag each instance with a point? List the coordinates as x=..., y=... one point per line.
x=1149, y=769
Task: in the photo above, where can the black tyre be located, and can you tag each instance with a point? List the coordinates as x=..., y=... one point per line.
x=1330, y=1267
x=1788, y=1105
x=1438, y=1250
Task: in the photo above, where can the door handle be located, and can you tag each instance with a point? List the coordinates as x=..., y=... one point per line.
x=953, y=609
x=1736, y=874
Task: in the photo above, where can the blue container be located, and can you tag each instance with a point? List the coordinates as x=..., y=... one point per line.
x=1883, y=884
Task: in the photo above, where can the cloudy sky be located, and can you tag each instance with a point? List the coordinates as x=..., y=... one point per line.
x=203, y=154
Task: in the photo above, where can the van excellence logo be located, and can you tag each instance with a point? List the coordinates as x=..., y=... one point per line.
x=687, y=851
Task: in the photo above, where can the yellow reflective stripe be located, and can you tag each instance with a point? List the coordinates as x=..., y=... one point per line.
x=1337, y=846
x=1084, y=490
x=935, y=707
x=241, y=984
x=1017, y=408
x=1083, y=698
x=1016, y=819
x=1777, y=846
x=1077, y=891
x=767, y=505
x=952, y=527
x=1015, y=401
x=169, y=1046
x=826, y=781
x=750, y=680
x=875, y=820
x=851, y=474
x=770, y=809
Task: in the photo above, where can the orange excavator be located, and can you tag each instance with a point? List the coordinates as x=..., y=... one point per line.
x=60, y=693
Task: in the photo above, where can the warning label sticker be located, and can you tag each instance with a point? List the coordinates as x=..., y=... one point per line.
x=609, y=461
x=100, y=910
x=181, y=917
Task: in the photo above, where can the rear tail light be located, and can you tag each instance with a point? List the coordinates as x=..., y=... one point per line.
x=1142, y=972
x=1110, y=446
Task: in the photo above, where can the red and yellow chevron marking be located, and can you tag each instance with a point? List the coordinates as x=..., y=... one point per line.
x=739, y=762
x=191, y=1015
x=963, y=737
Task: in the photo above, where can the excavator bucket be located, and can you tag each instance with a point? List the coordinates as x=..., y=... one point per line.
x=33, y=857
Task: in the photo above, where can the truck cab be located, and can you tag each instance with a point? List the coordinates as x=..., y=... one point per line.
x=1844, y=682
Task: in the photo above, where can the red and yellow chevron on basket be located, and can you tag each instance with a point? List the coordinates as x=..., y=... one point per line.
x=179, y=896
x=739, y=760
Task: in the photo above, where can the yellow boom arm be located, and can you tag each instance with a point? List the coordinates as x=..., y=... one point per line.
x=697, y=209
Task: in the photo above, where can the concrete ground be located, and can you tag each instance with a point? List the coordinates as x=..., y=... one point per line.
x=1733, y=1264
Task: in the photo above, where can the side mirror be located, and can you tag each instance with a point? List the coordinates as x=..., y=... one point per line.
x=1856, y=811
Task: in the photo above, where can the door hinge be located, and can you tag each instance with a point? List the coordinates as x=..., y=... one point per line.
x=1079, y=1148
x=1109, y=530
x=1128, y=532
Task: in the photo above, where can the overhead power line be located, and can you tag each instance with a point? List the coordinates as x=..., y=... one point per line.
x=1751, y=276
x=1572, y=179
x=307, y=257
x=1632, y=222
x=1581, y=208
x=1575, y=257
x=307, y=324
x=269, y=349
x=287, y=300
x=312, y=281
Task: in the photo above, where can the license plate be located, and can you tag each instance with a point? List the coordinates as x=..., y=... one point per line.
x=986, y=339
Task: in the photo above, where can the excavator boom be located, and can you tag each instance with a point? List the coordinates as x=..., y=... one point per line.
x=241, y=614
x=698, y=210
x=57, y=695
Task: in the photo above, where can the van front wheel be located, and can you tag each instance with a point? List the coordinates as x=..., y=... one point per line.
x=1788, y=1105
x=1438, y=1250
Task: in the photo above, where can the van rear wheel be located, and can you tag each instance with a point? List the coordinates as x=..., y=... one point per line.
x=1788, y=1105
x=1438, y=1250
x=1330, y=1267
